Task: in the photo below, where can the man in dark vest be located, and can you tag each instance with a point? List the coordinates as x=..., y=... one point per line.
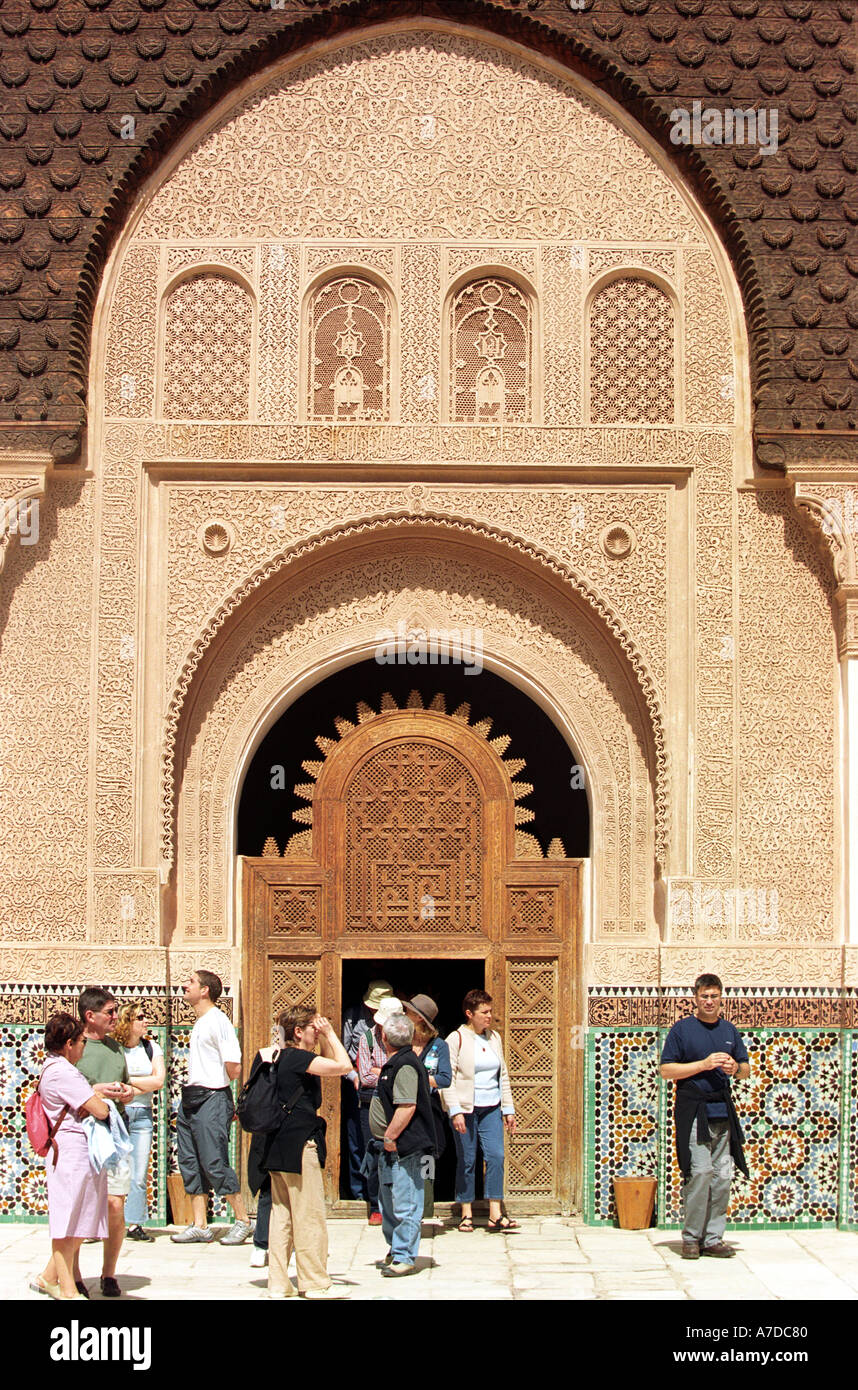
x=400, y=1116
x=701, y=1054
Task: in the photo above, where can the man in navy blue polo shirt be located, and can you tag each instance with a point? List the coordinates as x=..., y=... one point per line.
x=702, y=1052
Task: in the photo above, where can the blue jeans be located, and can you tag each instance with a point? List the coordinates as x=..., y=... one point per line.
x=372, y=1178
x=484, y=1124
x=354, y=1141
x=263, y=1216
x=139, y=1121
x=400, y=1191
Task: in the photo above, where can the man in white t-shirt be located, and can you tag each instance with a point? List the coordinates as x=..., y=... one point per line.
x=206, y=1111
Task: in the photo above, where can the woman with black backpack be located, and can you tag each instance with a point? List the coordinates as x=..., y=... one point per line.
x=294, y=1155
x=147, y=1073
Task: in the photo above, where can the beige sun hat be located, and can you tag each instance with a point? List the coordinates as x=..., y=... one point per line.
x=389, y=1005
x=376, y=991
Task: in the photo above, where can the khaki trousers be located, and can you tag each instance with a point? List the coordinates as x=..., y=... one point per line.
x=298, y=1222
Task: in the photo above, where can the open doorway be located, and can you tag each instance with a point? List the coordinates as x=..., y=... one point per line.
x=445, y=981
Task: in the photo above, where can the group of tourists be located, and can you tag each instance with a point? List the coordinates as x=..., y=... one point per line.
x=401, y=1077
x=404, y=1083
x=99, y=1067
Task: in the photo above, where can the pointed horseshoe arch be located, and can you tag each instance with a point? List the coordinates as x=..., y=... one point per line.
x=442, y=523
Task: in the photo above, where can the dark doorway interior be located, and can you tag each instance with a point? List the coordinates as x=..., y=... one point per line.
x=445, y=981
x=558, y=800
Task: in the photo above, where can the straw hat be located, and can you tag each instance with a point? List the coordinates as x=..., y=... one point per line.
x=376, y=991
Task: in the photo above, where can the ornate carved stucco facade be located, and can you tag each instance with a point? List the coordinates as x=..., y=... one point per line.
x=416, y=325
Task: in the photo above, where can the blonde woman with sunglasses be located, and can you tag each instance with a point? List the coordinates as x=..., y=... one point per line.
x=147, y=1073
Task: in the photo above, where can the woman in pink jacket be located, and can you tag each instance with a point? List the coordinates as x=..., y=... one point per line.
x=479, y=1103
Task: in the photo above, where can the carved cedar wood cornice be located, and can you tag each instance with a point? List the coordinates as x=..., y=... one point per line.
x=71, y=71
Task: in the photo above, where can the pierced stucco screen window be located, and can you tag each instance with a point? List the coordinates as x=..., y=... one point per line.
x=631, y=354
x=490, y=353
x=349, y=326
x=208, y=331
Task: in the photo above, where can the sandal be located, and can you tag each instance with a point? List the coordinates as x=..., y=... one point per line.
x=503, y=1223
x=466, y=1224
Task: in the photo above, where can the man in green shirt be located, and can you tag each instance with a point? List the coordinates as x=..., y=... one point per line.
x=103, y=1065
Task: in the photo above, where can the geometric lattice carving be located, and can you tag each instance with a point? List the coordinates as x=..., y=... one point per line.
x=531, y=1002
x=295, y=908
x=631, y=354
x=207, y=350
x=349, y=368
x=414, y=842
x=293, y=981
x=490, y=349
x=421, y=893
x=531, y=909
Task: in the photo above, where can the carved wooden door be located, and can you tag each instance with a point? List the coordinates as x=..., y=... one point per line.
x=411, y=852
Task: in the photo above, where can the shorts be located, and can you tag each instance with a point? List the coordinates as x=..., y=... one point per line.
x=202, y=1146
x=119, y=1178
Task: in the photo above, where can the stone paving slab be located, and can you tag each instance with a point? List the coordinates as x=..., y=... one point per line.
x=548, y=1259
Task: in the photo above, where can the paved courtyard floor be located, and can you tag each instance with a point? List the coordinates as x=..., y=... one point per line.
x=549, y=1258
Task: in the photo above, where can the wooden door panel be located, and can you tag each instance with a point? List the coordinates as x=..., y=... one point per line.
x=413, y=833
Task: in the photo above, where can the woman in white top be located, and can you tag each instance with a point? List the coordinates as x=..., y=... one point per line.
x=147, y=1073
x=479, y=1103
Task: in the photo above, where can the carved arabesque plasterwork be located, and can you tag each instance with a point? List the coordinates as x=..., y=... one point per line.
x=21, y=485
x=333, y=609
x=709, y=378
x=126, y=908
x=129, y=368
x=277, y=364
x=830, y=513
x=420, y=334
x=577, y=587
x=715, y=828
x=618, y=447
x=241, y=258
x=562, y=337
x=788, y=704
x=341, y=146
x=382, y=259
x=458, y=259
x=567, y=521
x=45, y=617
x=600, y=259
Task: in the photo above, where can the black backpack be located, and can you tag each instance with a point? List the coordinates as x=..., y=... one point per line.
x=259, y=1108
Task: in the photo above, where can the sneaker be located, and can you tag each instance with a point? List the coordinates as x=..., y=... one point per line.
x=193, y=1235
x=375, y=1218
x=332, y=1291
x=137, y=1233
x=690, y=1250
x=258, y=1258
x=237, y=1234
x=719, y=1250
x=288, y=1292
x=393, y=1271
